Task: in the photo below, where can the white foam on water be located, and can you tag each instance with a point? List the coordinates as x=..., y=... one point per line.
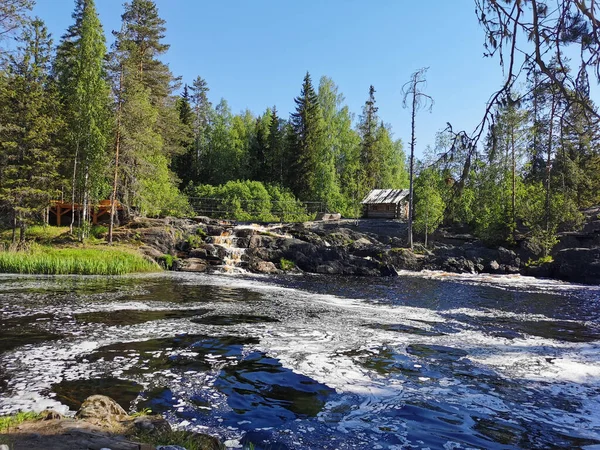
x=523, y=282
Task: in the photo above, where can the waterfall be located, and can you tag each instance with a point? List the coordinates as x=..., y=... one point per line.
x=233, y=254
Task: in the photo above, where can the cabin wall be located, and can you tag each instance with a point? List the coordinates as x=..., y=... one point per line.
x=386, y=211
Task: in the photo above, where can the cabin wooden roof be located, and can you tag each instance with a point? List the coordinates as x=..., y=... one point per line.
x=383, y=196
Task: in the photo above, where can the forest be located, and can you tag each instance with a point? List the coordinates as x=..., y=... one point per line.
x=81, y=122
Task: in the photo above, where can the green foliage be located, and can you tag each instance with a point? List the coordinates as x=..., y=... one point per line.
x=28, y=103
x=308, y=125
x=98, y=231
x=195, y=241
x=286, y=264
x=76, y=261
x=252, y=201
x=152, y=129
x=544, y=220
x=429, y=204
x=12, y=421
x=144, y=412
x=42, y=234
x=85, y=97
x=540, y=261
x=166, y=261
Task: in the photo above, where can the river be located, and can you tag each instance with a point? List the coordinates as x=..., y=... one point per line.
x=307, y=362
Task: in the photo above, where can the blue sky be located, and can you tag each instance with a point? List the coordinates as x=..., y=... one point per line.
x=254, y=53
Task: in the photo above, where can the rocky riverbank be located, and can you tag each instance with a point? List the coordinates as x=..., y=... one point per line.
x=360, y=248
x=101, y=423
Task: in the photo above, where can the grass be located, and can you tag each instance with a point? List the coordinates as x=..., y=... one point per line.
x=37, y=233
x=45, y=260
x=8, y=422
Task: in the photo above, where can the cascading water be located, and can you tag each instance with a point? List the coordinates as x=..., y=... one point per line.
x=233, y=254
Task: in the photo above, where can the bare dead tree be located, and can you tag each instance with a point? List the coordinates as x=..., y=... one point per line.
x=413, y=93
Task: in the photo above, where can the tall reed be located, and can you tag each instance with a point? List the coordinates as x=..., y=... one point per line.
x=77, y=261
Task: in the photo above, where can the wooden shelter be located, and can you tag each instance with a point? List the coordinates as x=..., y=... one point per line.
x=100, y=212
x=386, y=204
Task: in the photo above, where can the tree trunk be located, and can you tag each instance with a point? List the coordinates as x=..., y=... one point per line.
x=113, y=196
x=549, y=170
x=513, y=218
x=14, y=228
x=426, y=229
x=74, y=180
x=22, y=229
x=86, y=203
x=412, y=165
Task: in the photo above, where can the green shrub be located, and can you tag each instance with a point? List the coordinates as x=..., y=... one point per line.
x=286, y=264
x=250, y=201
x=166, y=261
x=194, y=241
x=98, y=231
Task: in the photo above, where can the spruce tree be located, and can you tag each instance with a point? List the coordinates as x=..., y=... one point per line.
x=203, y=113
x=369, y=158
x=259, y=168
x=28, y=175
x=276, y=157
x=307, y=124
x=85, y=96
x=183, y=163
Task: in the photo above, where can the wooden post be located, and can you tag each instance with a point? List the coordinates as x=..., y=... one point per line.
x=58, y=214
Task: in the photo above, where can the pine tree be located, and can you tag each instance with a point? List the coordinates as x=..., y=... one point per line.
x=141, y=38
x=152, y=132
x=85, y=96
x=307, y=123
x=28, y=169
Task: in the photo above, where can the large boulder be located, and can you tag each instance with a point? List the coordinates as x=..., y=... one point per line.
x=193, y=265
x=102, y=409
x=403, y=259
x=452, y=264
x=578, y=265
x=259, y=266
x=261, y=240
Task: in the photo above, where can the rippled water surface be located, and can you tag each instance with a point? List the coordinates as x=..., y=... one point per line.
x=428, y=361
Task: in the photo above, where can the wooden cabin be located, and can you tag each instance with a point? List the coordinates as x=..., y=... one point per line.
x=386, y=204
x=59, y=213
